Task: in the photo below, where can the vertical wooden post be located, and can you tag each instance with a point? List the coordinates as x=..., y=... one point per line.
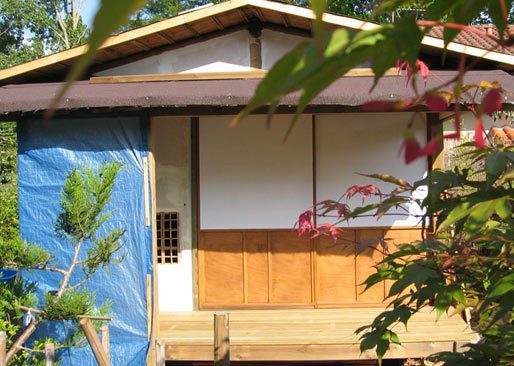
x=94, y=342
x=3, y=349
x=161, y=352
x=221, y=340
x=106, y=341
x=49, y=354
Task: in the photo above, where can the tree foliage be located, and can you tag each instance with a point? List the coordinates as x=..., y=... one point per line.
x=466, y=264
x=32, y=28
x=84, y=197
x=156, y=10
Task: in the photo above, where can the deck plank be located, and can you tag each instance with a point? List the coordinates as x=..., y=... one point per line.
x=304, y=334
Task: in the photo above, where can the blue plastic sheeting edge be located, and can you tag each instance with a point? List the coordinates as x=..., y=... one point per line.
x=47, y=151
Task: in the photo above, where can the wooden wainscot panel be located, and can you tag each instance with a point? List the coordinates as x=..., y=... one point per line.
x=256, y=268
x=393, y=237
x=336, y=282
x=222, y=268
x=290, y=268
x=365, y=262
x=276, y=268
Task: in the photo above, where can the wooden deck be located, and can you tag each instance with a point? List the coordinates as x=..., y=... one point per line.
x=304, y=335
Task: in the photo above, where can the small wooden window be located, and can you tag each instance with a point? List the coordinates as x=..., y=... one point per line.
x=167, y=238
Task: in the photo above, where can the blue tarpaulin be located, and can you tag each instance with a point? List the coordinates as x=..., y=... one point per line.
x=47, y=151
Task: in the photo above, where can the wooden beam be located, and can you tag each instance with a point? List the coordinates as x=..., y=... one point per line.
x=171, y=77
x=221, y=340
x=195, y=204
x=146, y=191
x=94, y=342
x=306, y=352
x=153, y=312
x=435, y=131
x=254, y=74
x=161, y=352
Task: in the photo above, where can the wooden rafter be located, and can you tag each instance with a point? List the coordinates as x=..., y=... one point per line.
x=285, y=18
x=258, y=13
x=165, y=37
x=192, y=30
x=243, y=15
x=115, y=53
x=141, y=44
x=217, y=22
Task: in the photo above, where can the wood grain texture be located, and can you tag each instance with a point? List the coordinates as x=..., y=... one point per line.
x=221, y=339
x=304, y=334
x=395, y=237
x=290, y=269
x=257, y=267
x=275, y=268
x=223, y=268
x=365, y=261
x=336, y=270
x=94, y=342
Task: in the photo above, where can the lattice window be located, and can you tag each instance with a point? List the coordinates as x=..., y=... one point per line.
x=168, y=247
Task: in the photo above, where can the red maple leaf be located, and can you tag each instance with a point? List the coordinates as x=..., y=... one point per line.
x=363, y=190
x=305, y=224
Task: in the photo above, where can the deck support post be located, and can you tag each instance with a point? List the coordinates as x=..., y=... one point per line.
x=160, y=348
x=221, y=340
x=3, y=349
x=49, y=354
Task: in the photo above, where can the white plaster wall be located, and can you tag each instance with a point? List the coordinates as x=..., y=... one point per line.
x=230, y=52
x=275, y=45
x=173, y=193
x=347, y=144
x=249, y=178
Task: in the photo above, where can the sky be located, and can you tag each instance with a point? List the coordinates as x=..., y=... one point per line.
x=89, y=8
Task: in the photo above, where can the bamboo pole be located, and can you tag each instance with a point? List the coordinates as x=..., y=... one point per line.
x=221, y=340
x=49, y=354
x=3, y=349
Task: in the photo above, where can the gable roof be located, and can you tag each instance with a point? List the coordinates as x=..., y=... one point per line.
x=215, y=18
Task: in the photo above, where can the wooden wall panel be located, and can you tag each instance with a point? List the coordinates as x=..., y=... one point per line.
x=222, y=268
x=335, y=265
x=256, y=267
x=266, y=268
x=365, y=262
x=399, y=236
x=290, y=269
